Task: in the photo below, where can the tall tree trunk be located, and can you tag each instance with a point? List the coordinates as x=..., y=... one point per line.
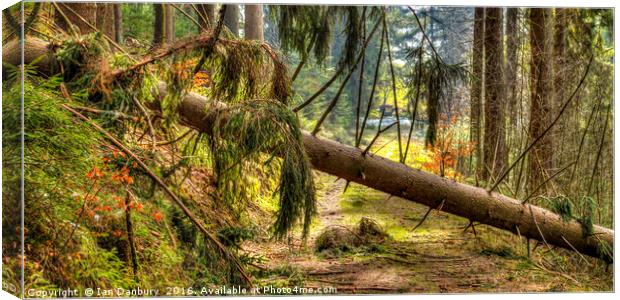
x=391, y=177
x=494, y=127
x=540, y=157
x=207, y=16
x=254, y=22
x=512, y=44
x=169, y=12
x=476, y=89
x=559, y=74
x=118, y=23
x=231, y=19
x=73, y=12
x=158, y=24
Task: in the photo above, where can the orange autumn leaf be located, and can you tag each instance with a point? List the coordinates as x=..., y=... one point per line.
x=201, y=79
x=91, y=198
x=120, y=203
x=116, y=177
x=94, y=173
x=157, y=216
x=124, y=170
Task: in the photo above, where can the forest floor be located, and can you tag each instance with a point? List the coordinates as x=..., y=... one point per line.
x=438, y=257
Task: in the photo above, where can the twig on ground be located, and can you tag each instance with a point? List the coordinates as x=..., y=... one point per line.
x=427, y=213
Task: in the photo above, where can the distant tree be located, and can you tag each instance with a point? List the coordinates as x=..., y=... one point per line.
x=207, y=15
x=169, y=32
x=87, y=17
x=105, y=19
x=231, y=19
x=476, y=87
x=118, y=23
x=510, y=70
x=76, y=14
x=158, y=24
x=253, y=27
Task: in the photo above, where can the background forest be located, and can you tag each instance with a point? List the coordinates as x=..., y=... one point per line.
x=197, y=145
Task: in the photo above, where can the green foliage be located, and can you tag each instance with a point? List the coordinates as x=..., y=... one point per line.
x=138, y=21
x=309, y=29
x=304, y=28
x=98, y=267
x=243, y=134
x=80, y=56
x=88, y=65
x=54, y=148
x=58, y=152
x=52, y=139
x=353, y=32
x=237, y=72
x=248, y=70
x=587, y=218
x=562, y=206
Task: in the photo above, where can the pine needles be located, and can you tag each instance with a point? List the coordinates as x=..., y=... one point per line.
x=562, y=206
x=299, y=25
x=306, y=30
x=244, y=135
x=236, y=72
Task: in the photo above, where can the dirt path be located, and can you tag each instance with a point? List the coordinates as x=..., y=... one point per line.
x=438, y=257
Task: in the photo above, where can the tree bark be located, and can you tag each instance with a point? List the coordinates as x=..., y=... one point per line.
x=73, y=12
x=253, y=27
x=118, y=23
x=207, y=16
x=396, y=179
x=541, y=155
x=495, y=153
x=559, y=75
x=512, y=44
x=105, y=20
x=231, y=18
x=158, y=24
x=476, y=89
x=169, y=12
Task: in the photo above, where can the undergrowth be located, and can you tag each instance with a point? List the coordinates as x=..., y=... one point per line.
x=83, y=192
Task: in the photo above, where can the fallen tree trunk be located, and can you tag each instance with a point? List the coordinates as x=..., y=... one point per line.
x=396, y=179
x=473, y=203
